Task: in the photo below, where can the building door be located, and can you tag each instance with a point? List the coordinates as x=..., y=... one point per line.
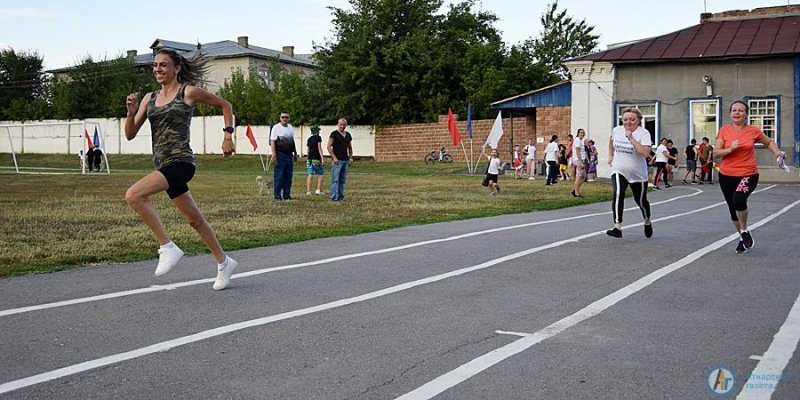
x=704, y=119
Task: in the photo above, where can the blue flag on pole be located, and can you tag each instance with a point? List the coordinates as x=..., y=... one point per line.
x=96, y=138
x=469, y=119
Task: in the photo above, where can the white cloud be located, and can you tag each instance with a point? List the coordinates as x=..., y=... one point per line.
x=19, y=12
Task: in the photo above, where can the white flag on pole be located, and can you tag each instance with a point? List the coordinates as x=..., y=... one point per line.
x=496, y=133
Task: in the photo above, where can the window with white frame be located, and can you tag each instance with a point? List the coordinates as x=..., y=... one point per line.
x=649, y=117
x=703, y=119
x=764, y=115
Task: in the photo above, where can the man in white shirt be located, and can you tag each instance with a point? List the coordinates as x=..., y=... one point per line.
x=578, y=156
x=281, y=140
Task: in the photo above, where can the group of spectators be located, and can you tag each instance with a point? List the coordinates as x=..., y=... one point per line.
x=664, y=161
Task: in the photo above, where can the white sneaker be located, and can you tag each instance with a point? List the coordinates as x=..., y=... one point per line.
x=531, y=179
x=167, y=258
x=319, y=192
x=308, y=193
x=224, y=274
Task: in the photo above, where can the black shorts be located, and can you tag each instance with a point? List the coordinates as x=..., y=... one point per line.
x=178, y=174
x=492, y=177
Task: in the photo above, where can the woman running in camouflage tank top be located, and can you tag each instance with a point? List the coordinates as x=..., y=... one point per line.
x=169, y=111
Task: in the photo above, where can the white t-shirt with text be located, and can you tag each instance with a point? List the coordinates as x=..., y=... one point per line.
x=627, y=162
x=531, y=149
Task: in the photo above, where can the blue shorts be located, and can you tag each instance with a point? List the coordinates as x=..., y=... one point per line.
x=312, y=169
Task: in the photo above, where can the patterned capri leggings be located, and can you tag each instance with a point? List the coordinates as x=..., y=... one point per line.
x=736, y=190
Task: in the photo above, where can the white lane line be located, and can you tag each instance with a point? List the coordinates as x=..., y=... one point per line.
x=156, y=288
x=768, y=373
x=169, y=344
x=487, y=360
x=512, y=333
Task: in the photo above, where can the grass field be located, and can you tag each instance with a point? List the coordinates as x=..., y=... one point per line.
x=55, y=222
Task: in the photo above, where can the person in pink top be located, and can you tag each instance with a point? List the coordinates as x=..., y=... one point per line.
x=738, y=173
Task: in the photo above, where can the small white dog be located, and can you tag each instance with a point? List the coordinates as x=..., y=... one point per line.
x=264, y=183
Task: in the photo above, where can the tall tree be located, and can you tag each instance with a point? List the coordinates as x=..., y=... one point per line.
x=400, y=61
x=97, y=89
x=562, y=37
x=23, y=91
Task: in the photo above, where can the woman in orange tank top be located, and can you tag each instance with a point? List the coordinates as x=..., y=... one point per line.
x=738, y=174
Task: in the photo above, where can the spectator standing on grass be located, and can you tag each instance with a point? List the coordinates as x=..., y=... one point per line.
x=284, y=154
x=570, y=164
x=530, y=158
x=591, y=169
x=551, y=157
x=169, y=111
x=578, y=157
x=314, y=163
x=94, y=157
x=563, y=162
x=340, y=147
x=517, y=163
x=691, y=162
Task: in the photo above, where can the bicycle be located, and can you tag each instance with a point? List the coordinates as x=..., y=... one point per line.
x=440, y=156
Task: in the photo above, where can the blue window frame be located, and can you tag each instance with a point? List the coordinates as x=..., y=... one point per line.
x=765, y=114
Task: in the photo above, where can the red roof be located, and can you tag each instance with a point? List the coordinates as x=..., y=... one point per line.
x=737, y=38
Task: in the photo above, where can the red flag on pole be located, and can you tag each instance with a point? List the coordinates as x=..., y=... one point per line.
x=252, y=138
x=89, y=141
x=453, y=128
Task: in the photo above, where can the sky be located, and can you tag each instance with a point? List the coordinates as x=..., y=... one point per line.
x=65, y=31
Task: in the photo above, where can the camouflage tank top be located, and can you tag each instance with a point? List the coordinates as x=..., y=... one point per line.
x=169, y=125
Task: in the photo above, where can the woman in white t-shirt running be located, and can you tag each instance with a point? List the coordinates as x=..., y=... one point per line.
x=628, y=149
x=493, y=171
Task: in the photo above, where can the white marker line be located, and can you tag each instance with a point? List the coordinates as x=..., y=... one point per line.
x=169, y=344
x=156, y=288
x=756, y=357
x=512, y=333
x=487, y=360
x=775, y=359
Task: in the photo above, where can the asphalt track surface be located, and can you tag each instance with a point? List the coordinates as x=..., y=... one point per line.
x=530, y=306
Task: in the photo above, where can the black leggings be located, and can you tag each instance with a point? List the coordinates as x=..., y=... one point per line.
x=736, y=190
x=661, y=168
x=620, y=184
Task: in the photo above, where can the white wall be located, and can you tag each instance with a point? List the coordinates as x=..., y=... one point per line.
x=593, y=105
x=206, y=137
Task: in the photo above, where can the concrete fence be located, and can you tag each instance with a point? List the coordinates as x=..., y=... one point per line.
x=56, y=137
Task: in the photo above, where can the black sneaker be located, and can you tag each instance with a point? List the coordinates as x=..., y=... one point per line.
x=684, y=182
x=740, y=248
x=614, y=232
x=668, y=186
x=700, y=183
x=648, y=231
x=656, y=188
x=747, y=240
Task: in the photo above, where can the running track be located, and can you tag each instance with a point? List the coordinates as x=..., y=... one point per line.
x=539, y=305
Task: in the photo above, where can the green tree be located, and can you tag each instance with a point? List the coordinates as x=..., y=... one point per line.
x=249, y=96
x=97, y=89
x=561, y=38
x=23, y=86
x=401, y=61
